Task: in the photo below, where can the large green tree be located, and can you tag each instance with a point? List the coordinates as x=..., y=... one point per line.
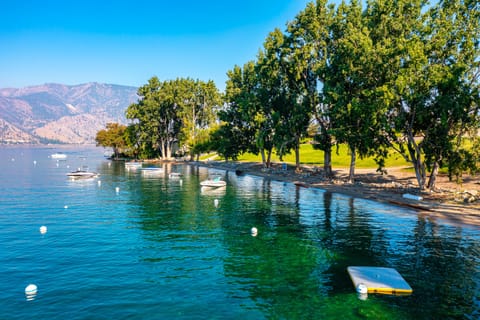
x=288, y=103
x=240, y=118
x=428, y=62
x=351, y=83
x=198, y=101
x=173, y=112
x=155, y=116
x=453, y=51
x=309, y=40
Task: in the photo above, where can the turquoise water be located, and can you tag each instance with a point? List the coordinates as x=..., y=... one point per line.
x=159, y=248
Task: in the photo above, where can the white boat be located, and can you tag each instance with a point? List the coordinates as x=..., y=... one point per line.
x=58, y=156
x=82, y=173
x=213, y=183
x=133, y=165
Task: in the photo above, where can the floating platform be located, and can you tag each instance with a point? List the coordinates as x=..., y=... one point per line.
x=379, y=280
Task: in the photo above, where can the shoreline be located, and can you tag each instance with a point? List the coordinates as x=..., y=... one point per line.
x=443, y=204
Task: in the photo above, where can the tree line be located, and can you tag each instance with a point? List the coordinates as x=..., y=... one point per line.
x=382, y=76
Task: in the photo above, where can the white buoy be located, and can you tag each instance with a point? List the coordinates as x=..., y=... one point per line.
x=254, y=231
x=34, y=162
x=215, y=202
x=43, y=229
x=181, y=182
x=31, y=290
x=99, y=182
x=117, y=189
x=362, y=289
x=65, y=207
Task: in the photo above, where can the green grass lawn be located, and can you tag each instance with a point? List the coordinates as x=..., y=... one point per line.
x=310, y=156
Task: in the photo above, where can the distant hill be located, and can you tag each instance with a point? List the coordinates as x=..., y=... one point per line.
x=60, y=113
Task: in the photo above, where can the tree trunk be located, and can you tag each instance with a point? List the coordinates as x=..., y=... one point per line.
x=353, y=159
x=297, y=155
x=269, y=158
x=168, y=151
x=262, y=152
x=416, y=157
x=433, y=176
x=162, y=148
x=327, y=163
x=115, y=152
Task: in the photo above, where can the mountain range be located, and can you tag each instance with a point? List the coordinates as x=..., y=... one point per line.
x=57, y=113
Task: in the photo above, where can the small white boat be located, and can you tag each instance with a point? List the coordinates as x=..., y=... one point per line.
x=133, y=165
x=82, y=173
x=213, y=183
x=58, y=156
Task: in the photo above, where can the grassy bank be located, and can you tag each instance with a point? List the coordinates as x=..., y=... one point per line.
x=340, y=159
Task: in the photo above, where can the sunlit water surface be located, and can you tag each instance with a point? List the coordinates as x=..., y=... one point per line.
x=135, y=246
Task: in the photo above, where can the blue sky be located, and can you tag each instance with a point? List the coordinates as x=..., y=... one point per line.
x=127, y=42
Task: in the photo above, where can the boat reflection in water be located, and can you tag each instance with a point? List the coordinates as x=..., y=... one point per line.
x=133, y=165
x=217, y=191
x=152, y=171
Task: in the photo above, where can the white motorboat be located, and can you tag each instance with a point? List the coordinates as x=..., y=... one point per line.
x=213, y=183
x=82, y=173
x=58, y=156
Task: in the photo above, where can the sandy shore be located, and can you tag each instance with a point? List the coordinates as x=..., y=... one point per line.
x=456, y=204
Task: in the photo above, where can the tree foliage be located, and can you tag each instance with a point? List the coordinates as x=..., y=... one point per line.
x=113, y=136
x=172, y=113
x=379, y=75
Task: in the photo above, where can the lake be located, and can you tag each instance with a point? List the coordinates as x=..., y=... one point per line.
x=127, y=245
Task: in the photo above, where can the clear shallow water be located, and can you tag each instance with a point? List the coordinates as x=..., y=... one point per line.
x=160, y=249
